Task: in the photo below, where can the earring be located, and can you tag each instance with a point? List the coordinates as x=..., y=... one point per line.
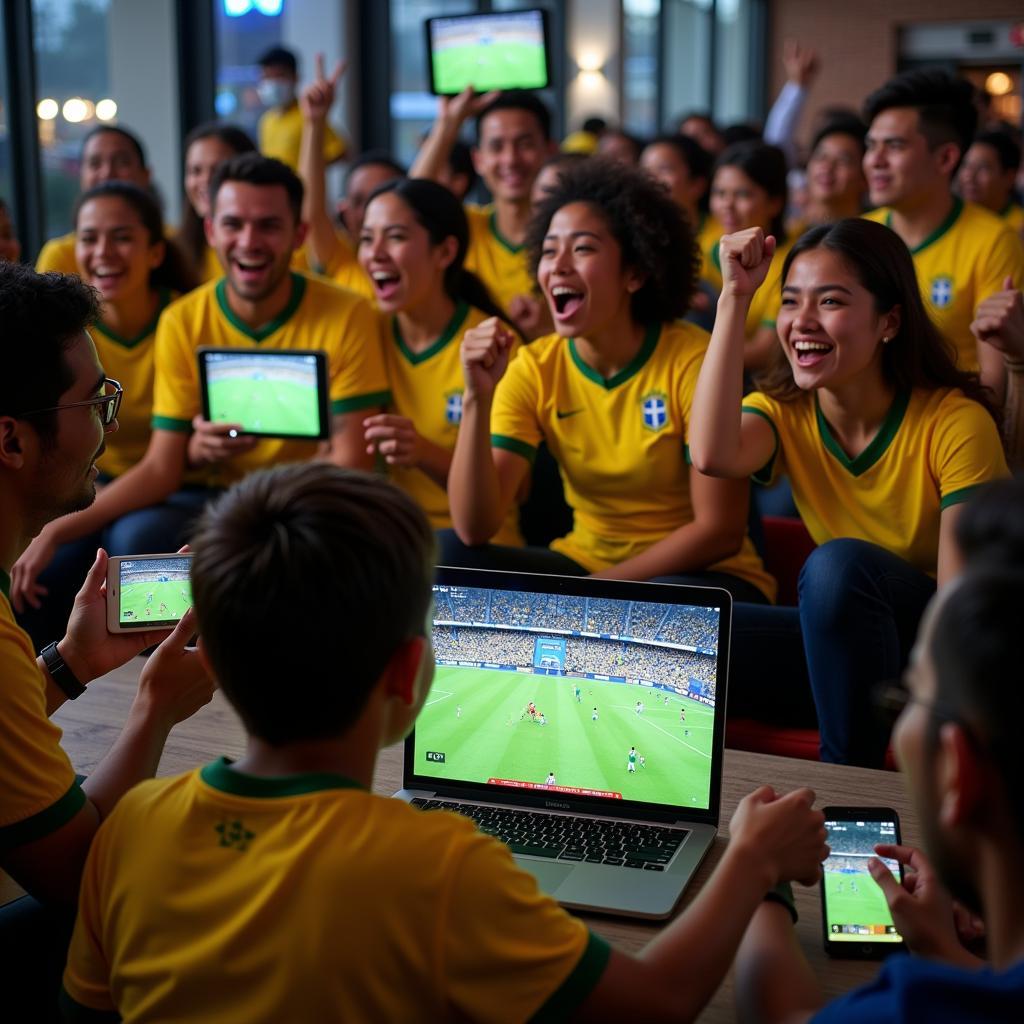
x=886, y=339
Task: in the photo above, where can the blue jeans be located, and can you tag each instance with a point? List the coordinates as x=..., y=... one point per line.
x=146, y=531
x=860, y=606
x=451, y=551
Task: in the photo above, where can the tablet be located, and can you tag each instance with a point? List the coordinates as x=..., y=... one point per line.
x=501, y=50
x=147, y=591
x=268, y=392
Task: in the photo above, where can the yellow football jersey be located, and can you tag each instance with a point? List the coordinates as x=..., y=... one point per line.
x=965, y=260
x=933, y=450
x=306, y=898
x=427, y=388
x=211, y=268
x=58, y=254
x=280, y=136
x=346, y=271
x=767, y=301
x=1013, y=214
x=496, y=261
x=318, y=317
x=38, y=791
x=709, y=231
x=620, y=443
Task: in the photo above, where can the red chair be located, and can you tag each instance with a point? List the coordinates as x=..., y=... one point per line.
x=787, y=545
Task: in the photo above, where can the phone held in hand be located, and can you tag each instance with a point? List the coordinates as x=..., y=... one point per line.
x=147, y=591
x=856, y=922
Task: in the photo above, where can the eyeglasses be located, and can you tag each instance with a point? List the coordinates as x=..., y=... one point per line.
x=109, y=404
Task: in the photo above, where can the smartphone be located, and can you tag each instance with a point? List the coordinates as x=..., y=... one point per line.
x=499, y=50
x=855, y=917
x=147, y=591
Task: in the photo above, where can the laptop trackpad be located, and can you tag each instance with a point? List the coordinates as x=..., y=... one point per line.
x=549, y=876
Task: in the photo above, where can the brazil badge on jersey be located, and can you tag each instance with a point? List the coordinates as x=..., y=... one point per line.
x=654, y=411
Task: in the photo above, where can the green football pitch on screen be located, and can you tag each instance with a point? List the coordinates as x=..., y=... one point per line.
x=855, y=898
x=490, y=66
x=477, y=719
x=155, y=601
x=265, y=406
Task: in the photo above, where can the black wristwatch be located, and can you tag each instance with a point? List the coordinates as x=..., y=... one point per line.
x=60, y=673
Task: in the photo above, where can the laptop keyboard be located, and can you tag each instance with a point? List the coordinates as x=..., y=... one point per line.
x=560, y=837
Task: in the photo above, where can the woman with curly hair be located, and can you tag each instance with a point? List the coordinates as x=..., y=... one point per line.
x=610, y=393
x=881, y=436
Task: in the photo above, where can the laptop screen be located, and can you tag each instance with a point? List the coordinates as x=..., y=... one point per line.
x=575, y=696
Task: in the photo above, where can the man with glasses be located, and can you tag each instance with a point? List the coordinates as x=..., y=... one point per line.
x=56, y=408
x=956, y=741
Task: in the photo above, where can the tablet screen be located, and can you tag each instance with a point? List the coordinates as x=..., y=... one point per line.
x=273, y=394
x=154, y=591
x=504, y=50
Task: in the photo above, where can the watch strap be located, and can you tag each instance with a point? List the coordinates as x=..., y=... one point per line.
x=60, y=673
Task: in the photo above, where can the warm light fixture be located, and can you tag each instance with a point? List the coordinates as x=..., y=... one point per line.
x=106, y=110
x=47, y=110
x=998, y=83
x=75, y=110
x=591, y=62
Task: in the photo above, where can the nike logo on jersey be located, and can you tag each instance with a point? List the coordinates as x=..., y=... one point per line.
x=564, y=415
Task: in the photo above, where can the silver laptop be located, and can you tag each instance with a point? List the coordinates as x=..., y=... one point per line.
x=580, y=721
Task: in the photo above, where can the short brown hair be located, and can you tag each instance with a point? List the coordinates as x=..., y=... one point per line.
x=306, y=580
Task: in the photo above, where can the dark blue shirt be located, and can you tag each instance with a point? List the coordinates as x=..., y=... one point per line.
x=909, y=989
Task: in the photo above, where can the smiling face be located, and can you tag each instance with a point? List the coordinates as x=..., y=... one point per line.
x=834, y=171
x=360, y=185
x=511, y=151
x=253, y=229
x=739, y=202
x=201, y=161
x=581, y=272
x=981, y=178
x=396, y=252
x=109, y=156
x=665, y=164
x=114, y=250
x=829, y=325
x=900, y=167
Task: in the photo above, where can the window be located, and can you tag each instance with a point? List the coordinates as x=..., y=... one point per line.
x=737, y=64
x=640, y=61
x=686, y=75
x=73, y=95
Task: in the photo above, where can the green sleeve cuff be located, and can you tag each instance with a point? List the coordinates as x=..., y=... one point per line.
x=765, y=473
x=569, y=996
x=73, y=1012
x=44, y=823
x=513, y=444
x=357, y=402
x=170, y=423
x=783, y=893
x=957, y=497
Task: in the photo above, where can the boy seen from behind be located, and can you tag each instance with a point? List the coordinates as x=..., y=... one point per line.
x=280, y=888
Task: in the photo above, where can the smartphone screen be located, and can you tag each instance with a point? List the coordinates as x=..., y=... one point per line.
x=153, y=591
x=854, y=907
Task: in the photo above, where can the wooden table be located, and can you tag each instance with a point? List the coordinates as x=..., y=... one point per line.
x=91, y=724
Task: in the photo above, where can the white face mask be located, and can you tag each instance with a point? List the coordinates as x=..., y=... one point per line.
x=275, y=92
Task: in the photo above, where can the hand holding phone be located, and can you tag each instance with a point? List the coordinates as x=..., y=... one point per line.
x=856, y=919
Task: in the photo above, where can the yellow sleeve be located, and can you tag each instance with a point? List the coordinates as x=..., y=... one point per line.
x=966, y=450
x=334, y=148
x=38, y=791
x=509, y=951
x=87, y=974
x=515, y=426
x=176, y=376
x=1005, y=257
x=759, y=404
x=358, y=378
x=58, y=254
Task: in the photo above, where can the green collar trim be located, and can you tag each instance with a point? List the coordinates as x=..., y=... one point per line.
x=879, y=443
x=5, y=584
x=647, y=347
x=951, y=218
x=1008, y=208
x=163, y=299
x=452, y=328
x=220, y=775
x=716, y=255
x=492, y=223
x=298, y=290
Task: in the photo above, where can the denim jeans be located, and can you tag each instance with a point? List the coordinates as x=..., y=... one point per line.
x=146, y=531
